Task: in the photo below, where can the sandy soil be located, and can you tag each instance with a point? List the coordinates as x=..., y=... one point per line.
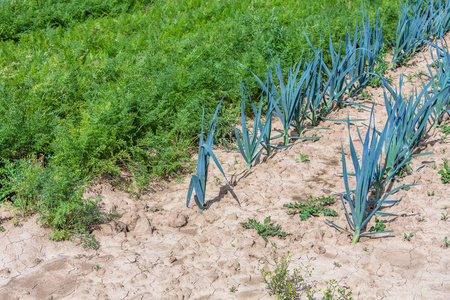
x=160, y=249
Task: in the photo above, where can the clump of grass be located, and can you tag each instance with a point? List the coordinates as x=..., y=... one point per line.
x=266, y=229
x=311, y=207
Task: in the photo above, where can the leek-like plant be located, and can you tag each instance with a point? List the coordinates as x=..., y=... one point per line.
x=315, y=88
x=439, y=13
x=249, y=147
x=440, y=70
x=363, y=49
x=412, y=28
x=205, y=152
x=337, y=76
x=288, y=102
x=266, y=129
x=359, y=214
x=406, y=126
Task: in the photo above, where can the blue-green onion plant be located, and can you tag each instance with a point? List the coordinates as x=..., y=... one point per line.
x=412, y=29
x=266, y=128
x=439, y=14
x=286, y=99
x=205, y=152
x=337, y=83
x=363, y=49
x=358, y=213
x=406, y=126
x=249, y=147
x=315, y=89
x=439, y=74
x=289, y=97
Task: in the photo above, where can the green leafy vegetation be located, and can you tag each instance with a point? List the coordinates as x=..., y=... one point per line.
x=408, y=236
x=266, y=229
x=95, y=87
x=379, y=225
x=311, y=207
x=445, y=173
x=233, y=289
x=445, y=132
x=279, y=281
x=287, y=285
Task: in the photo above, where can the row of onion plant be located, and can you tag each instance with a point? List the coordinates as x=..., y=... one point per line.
x=418, y=22
x=308, y=96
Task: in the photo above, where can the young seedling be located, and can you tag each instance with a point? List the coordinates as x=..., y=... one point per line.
x=446, y=242
x=2, y=229
x=266, y=229
x=97, y=267
x=303, y=158
x=444, y=217
x=430, y=193
x=407, y=188
x=379, y=225
x=311, y=207
x=337, y=264
x=366, y=249
x=421, y=219
x=408, y=236
x=233, y=289
x=445, y=173
x=445, y=132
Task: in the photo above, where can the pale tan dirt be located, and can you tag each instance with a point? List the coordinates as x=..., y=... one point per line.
x=160, y=249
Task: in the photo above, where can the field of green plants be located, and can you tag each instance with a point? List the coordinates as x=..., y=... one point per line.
x=95, y=88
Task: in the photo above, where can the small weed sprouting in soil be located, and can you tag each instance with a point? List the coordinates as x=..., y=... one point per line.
x=279, y=281
x=408, y=236
x=288, y=287
x=379, y=225
x=444, y=217
x=311, y=207
x=430, y=193
x=97, y=267
x=445, y=173
x=266, y=229
x=303, y=158
x=421, y=219
x=446, y=242
x=366, y=249
x=233, y=289
x=334, y=291
x=2, y=229
x=337, y=264
x=407, y=188
x=445, y=132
